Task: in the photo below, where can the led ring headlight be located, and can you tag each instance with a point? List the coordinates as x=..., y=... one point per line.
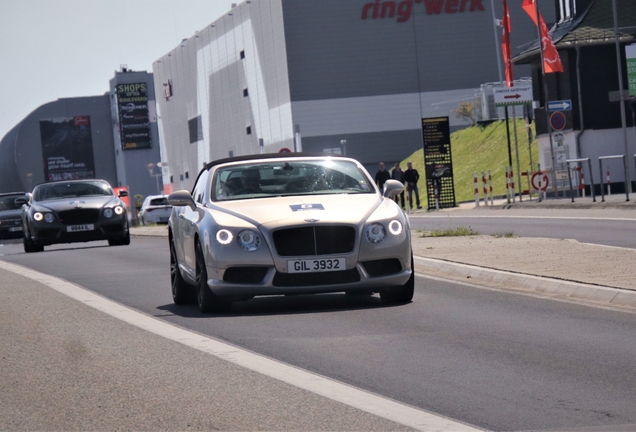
x=48, y=217
x=395, y=227
x=108, y=212
x=224, y=236
x=119, y=210
x=38, y=216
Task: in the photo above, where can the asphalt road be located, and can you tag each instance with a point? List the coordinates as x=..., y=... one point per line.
x=496, y=360
x=613, y=230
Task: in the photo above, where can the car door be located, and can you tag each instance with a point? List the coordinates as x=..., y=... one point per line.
x=188, y=220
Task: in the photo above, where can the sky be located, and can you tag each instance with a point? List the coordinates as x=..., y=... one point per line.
x=51, y=49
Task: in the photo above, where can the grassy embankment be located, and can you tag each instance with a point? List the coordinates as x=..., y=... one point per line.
x=477, y=149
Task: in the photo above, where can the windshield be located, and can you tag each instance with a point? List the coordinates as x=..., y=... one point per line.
x=52, y=191
x=285, y=178
x=8, y=202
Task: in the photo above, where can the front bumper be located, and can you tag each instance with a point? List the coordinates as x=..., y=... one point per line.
x=258, y=281
x=47, y=234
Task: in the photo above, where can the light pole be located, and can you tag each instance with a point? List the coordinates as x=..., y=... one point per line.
x=343, y=143
x=151, y=171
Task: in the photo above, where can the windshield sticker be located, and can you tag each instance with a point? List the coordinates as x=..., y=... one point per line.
x=305, y=207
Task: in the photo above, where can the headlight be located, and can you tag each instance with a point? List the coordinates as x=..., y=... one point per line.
x=108, y=212
x=119, y=210
x=375, y=233
x=49, y=217
x=249, y=240
x=38, y=216
x=224, y=236
x=395, y=227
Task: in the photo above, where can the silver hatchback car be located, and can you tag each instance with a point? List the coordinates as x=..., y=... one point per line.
x=286, y=224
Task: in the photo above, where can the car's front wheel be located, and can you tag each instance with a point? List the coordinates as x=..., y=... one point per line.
x=180, y=289
x=206, y=299
x=401, y=294
x=30, y=246
x=123, y=241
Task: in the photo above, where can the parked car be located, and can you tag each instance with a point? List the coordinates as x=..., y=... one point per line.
x=155, y=210
x=286, y=224
x=74, y=211
x=10, y=222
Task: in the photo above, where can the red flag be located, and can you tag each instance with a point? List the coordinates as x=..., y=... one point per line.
x=551, y=59
x=505, y=44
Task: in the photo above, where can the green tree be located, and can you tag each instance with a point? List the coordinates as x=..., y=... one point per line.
x=466, y=111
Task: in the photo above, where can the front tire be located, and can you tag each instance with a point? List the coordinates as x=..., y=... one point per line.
x=206, y=299
x=30, y=246
x=401, y=294
x=123, y=241
x=180, y=289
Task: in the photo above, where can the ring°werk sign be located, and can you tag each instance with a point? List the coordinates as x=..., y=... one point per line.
x=520, y=95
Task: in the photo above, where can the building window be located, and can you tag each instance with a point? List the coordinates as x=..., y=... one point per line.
x=242, y=54
x=171, y=179
x=231, y=153
x=187, y=175
x=245, y=92
x=248, y=130
x=195, y=129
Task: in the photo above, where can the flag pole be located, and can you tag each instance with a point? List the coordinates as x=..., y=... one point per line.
x=545, y=99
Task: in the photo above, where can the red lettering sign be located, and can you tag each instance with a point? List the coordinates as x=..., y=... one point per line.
x=402, y=10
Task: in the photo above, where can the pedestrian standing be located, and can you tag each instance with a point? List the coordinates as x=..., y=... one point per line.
x=398, y=175
x=381, y=177
x=411, y=177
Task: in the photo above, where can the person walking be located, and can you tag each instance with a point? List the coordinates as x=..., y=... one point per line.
x=382, y=176
x=411, y=177
x=398, y=175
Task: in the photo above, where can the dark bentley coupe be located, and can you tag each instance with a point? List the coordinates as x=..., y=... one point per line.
x=10, y=223
x=74, y=211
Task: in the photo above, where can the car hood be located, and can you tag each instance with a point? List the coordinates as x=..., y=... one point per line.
x=282, y=211
x=10, y=214
x=81, y=202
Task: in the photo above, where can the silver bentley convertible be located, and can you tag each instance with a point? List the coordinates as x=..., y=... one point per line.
x=290, y=223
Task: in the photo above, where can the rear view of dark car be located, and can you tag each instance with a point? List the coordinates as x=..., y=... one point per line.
x=10, y=210
x=74, y=211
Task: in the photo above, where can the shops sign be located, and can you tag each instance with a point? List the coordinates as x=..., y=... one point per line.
x=402, y=10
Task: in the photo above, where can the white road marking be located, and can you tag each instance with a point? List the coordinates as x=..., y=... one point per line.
x=326, y=387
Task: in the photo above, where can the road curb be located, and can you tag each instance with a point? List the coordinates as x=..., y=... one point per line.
x=556, y=288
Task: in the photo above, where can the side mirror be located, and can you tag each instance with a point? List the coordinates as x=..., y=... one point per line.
x=181, y=198
x=392, y=188
x=123, y=193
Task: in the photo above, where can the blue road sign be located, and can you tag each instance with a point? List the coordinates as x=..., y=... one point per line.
x=562, y=105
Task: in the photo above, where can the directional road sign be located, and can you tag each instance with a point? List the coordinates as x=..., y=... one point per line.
x=562, y=105
x=520, y=95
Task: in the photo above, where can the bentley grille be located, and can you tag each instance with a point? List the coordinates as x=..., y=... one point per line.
x=79, y=216
x=314, y=240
